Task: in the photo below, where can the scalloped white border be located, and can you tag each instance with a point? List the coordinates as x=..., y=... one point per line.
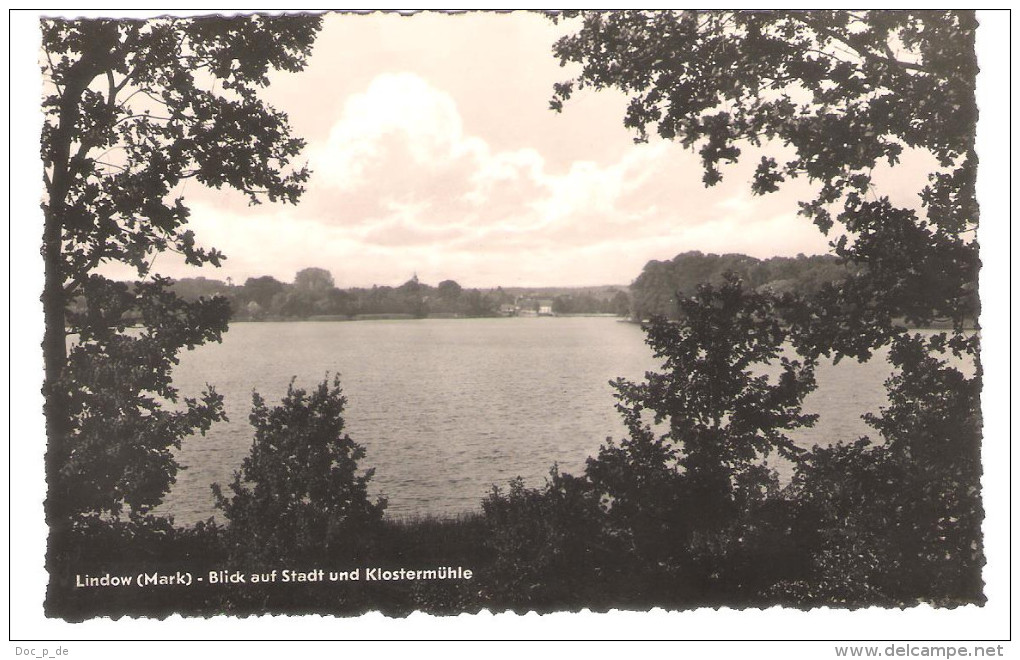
x=28, y=533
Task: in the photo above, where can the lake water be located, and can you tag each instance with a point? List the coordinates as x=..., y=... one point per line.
x=448, y=407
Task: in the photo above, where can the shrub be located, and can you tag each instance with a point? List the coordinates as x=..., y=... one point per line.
x=299, y=493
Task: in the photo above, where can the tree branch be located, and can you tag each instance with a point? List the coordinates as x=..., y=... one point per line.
x=135, y=116
x=119, y=167
x=83, y=274
x=861, y=52
x=127, y=78
x=111, y=95
x=60, y=88
x=140, y=90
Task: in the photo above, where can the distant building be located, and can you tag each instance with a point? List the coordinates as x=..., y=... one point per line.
x=530, y=307
x=254, y=309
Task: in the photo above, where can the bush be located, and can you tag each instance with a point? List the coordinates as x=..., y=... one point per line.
x=899, y=523
x=548, y=547
x=299, y=494
x=299, y=500
x=682, y=511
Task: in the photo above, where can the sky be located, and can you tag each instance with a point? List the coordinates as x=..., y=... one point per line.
x=434, y=152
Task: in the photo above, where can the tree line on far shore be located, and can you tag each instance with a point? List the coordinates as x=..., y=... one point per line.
x=654, y=292
x=662, y=285
x=314, y=295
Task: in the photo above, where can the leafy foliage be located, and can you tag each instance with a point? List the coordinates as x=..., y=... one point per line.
x=899, y=523
x=131, y=98
x=834, y=95
x=132, y=110
x=932, y=428
x=299, y=492
x=723, y=418
x=122, y=435
x=655, y=289
x=549, y=546
x=313, y=280
x=684, y=510
x=837, y=93
x=838, y=97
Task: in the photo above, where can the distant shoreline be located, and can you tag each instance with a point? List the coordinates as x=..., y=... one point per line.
x=970, y=326
x=411, y=317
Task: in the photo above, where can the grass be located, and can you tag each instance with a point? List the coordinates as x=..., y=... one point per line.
x=434, y=540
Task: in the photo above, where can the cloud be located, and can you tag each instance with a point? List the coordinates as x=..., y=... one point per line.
x=398, y=169
x=399, y=144
x=397, y=110
x=399, y=185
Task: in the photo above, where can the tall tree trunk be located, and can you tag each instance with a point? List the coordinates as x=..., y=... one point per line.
x=54, y=345
x=98, y=56
x=54, y=356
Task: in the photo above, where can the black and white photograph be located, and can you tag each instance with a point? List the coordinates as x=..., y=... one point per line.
x=513, y=313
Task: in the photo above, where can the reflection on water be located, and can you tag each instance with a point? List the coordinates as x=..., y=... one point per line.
x=448, y=407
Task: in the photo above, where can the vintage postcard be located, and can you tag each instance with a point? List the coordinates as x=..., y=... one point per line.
x=509, y=312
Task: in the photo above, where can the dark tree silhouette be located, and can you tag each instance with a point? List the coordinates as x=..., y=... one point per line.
x=299, y=492
x=841, y=94
x=845, y=91
x=132, y=109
